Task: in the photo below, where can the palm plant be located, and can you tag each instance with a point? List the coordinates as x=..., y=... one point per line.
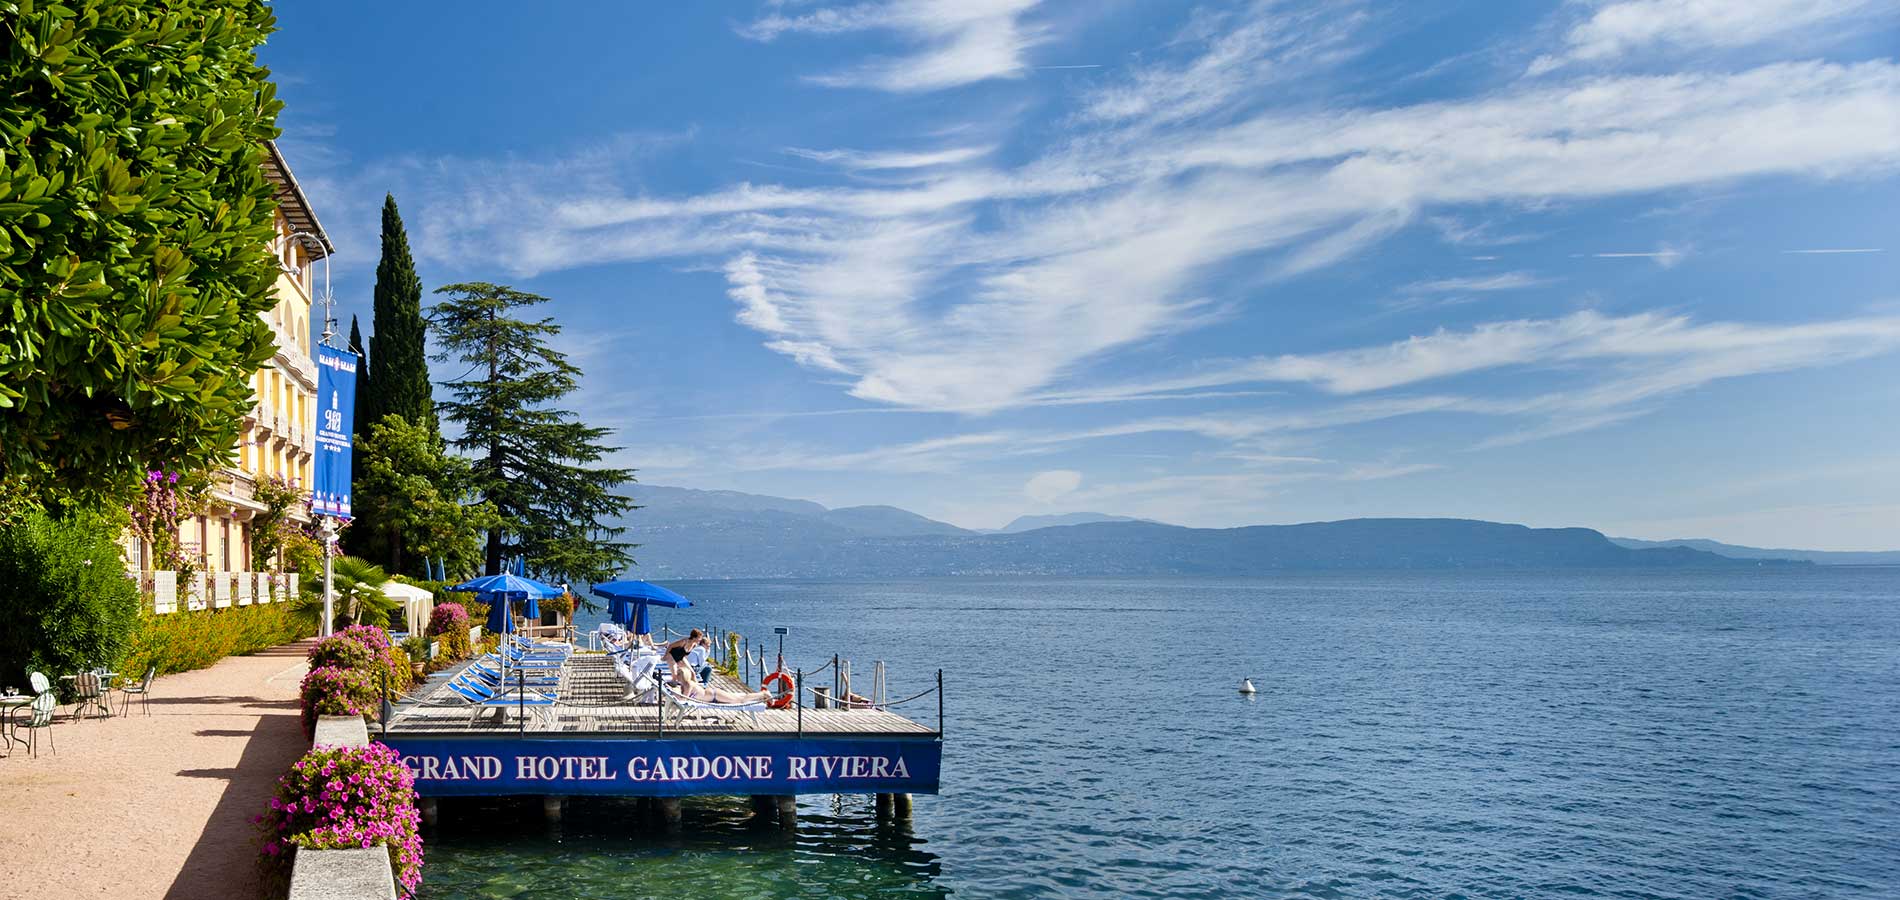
x=359, y=596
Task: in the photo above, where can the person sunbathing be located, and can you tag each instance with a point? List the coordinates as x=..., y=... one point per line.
x=691, y=689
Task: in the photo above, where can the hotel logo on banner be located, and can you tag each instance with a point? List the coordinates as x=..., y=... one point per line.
x=336, y=419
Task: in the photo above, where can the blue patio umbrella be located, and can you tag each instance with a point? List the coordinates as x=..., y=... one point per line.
x=628, y=601
x=501, y=591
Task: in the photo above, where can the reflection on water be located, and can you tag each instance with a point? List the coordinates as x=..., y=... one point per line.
x=609, y=848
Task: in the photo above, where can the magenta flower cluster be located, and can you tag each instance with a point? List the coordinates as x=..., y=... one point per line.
x=448, y=618
x=336, y=691
x=338, y=798
x=369, y=636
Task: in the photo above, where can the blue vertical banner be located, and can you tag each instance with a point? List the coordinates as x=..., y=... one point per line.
x=336, y=420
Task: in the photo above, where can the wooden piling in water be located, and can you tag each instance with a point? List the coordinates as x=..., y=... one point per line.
x=886, y=806
x=787, y=812
x=552, y=809
x=900, y=804
x=670, y=814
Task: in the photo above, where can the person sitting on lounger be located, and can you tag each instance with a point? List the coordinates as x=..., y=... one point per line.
x=691, y=689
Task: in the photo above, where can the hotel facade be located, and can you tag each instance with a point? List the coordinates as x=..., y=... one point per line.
x=278, y=437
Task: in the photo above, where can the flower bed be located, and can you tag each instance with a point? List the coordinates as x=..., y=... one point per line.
x=348, y=673
x=338, y=798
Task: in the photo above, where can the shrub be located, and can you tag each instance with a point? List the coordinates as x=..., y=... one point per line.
x=342, y=652
x=66, y=603
x=338, y=798
x=369, y=636
x=449, y=624
x=336, y=691
x=186, y=640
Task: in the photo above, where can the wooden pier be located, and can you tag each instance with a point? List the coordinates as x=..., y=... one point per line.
x=594, y=741
x=591, y=703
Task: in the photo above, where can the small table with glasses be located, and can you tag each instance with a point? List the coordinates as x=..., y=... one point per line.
x=8, y=705
x=99, y=698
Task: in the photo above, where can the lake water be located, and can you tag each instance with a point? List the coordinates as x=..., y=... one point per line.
x=1615, y=734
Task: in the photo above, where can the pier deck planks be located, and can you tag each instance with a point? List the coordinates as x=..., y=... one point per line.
x=591, y=704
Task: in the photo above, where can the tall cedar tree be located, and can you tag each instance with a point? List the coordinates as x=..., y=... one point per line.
x=399, y=363
x=532, y=460
x=135, y=254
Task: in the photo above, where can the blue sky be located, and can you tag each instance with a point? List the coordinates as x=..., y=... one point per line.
x=1628, y=264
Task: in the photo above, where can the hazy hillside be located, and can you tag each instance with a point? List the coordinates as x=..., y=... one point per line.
x=1736, y=551
x=1031, y=523
x=725, y=534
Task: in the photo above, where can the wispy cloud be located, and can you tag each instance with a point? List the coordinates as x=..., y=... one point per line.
x=955, y=42
x=1610, y=30
x=861, y=161
x=1503, y=281
x=977, y=286
x=1667, y=257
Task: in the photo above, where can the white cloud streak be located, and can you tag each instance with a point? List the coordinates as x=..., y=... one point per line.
x=1615, y=29
x=955, y=42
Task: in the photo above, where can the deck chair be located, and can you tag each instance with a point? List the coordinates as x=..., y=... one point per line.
x=143, y=690
x=480, y=696
x=493, y=675
x=638, y=670
x=524, y=662
x=39, y=718
x=725, y=713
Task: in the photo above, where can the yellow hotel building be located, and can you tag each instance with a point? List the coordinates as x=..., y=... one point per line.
x=279, y=432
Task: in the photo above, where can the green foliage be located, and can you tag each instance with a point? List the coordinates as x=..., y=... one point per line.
x=67, y=604
x=274, y=531
x=416, y=647
x=537, y=463
x=398, y=383
x=135, y=222
x=357, y=595
x=183, y=641
x=410, y=500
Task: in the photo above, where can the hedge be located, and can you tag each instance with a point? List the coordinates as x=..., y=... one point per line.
x=65, y=601
x=182, y=641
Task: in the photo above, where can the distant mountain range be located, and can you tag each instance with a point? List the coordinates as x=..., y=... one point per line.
x=1031, y=523
x=1737, y=551
x=686, y=533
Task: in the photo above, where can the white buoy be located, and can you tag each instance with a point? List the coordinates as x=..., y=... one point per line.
x=1246, y=686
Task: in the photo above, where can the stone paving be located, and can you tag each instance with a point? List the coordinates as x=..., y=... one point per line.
x=158, y=806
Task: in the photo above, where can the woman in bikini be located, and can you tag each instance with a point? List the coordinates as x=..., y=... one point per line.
x=689, y=686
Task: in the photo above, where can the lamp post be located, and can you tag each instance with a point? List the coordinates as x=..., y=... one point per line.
x=327, y=525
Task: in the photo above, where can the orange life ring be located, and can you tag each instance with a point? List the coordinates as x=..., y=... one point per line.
x=782, y=697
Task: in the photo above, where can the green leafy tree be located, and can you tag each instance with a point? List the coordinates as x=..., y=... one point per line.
x=537, y=463
x=68, y=604
x=414, y=501
x=135, y=223
x=399, y=363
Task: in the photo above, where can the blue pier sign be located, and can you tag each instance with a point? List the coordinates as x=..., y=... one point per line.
x=493, y=767
x=336, y=419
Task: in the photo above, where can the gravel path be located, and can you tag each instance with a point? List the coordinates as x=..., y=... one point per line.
x=156, y=806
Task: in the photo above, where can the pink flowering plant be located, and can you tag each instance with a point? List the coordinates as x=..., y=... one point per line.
x=449, y=624
x=336, y=691
x=369, y=636
x=338, y=798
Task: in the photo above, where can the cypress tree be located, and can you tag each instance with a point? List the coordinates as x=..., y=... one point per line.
x=399, y=372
